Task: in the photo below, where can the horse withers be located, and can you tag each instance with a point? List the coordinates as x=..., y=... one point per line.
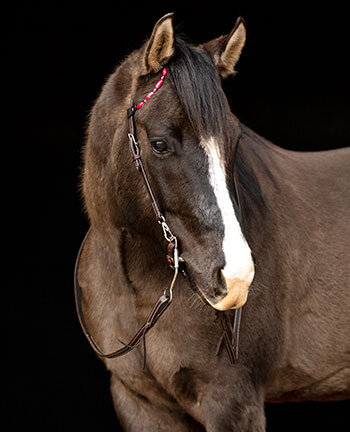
x=253, y=224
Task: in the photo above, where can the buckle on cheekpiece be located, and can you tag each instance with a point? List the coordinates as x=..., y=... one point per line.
x=171, y=258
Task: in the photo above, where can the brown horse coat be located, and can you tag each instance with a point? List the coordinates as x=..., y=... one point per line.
x=295, y=207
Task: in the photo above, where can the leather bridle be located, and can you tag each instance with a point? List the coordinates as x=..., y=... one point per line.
x=174, y=260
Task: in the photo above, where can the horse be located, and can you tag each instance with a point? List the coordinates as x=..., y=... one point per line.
x=246, y=222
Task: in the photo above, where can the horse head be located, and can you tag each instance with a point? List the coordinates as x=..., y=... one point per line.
x=188, y=137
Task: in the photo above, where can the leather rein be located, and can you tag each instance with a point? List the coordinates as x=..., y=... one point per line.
x=230, y=333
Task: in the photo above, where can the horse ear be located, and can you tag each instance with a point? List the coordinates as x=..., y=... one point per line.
x=226, y=50
x=160, y=47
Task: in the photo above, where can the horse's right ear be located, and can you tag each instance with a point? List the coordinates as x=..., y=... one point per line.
x=160, y=47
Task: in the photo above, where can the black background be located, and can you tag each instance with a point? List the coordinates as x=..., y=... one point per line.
x=292, y=88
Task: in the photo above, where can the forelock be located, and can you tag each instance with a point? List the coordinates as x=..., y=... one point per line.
x=198, y=86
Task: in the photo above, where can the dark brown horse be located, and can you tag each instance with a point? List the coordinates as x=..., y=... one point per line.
x=257, y=225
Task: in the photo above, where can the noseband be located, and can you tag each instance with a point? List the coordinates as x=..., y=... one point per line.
x=173, y=258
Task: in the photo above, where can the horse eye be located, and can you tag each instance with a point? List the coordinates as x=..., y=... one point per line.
x=159, y=145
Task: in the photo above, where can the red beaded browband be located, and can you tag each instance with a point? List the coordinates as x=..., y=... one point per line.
x=157, y=87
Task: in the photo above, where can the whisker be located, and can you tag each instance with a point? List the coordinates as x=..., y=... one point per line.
x=195, y=302
x=257, y=288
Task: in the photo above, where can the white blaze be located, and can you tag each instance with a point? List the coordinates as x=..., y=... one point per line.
x=239, y=263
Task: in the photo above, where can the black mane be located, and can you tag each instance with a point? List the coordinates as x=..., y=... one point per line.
x=199, y=89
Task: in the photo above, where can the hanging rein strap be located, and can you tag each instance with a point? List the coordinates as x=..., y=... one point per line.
x=231, y=343
x=158, y=309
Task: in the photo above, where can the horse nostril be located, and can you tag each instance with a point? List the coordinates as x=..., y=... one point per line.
x=220, y=288
x=216, y=291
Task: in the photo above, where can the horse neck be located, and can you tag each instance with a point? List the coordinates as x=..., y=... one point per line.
x=280, y=195
x=264, y=176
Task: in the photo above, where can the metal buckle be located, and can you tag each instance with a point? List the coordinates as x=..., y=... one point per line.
x=135, y=149
x=175, y=260
x=169, y=236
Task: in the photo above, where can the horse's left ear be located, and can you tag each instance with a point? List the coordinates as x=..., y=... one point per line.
x=160, y=47
x=226, y=50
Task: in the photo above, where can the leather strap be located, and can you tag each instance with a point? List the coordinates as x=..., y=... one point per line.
x=159, y=308
x=164, y=300
x=136, y=154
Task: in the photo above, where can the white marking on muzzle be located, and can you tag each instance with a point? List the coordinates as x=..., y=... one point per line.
x=238, y=259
